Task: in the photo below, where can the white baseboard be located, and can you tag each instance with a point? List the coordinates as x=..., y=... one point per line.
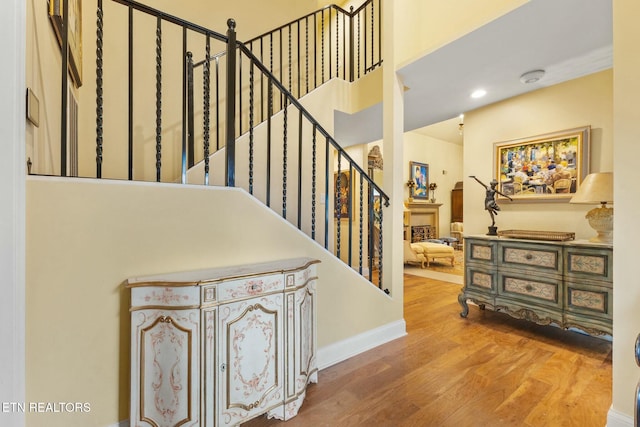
x=342, y=350
x=618, y=419
x=123, y=423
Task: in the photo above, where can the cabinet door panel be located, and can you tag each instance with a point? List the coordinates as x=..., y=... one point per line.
x=164, y=384
x=251, y=354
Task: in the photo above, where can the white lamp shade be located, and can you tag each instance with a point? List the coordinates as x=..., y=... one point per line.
x=596, y=188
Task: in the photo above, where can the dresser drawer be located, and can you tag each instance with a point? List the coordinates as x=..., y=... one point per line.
x=480, y=279
x=589, y=263
x=249, y=287
x=543, y=290
x=481, y=251
x=543, y=258
x=589, y=299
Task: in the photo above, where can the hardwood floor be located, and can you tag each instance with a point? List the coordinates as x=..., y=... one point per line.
x=486, y=370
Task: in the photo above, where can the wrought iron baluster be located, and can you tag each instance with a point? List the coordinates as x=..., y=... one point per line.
x=360, y=228
x=190, y=112
x=372, y=34
x=300, y=169
x=158, y=99
x=337, y=44
x=358, y=37
x=338, y=202
x=306, y=56
x=207, y=108
x=350, y=210
x=251, y=136
x=313, y=183
x=380, y=247
x=290, y=52
x=269, y=115
x=284, y=156
x=130, y=94
x=322, y=44
x=99, y=82
x=218, y=129
x=326, y=193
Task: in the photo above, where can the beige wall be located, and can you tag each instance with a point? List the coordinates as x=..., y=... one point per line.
x=434, y=23
x=626, y=316
x=441, y=156
x=106, y=231
x=580, y=102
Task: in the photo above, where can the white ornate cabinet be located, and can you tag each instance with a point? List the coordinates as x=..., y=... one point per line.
x=569, y=284
x=218, y=347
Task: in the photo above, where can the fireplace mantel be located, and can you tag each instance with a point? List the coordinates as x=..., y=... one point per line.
x=421, y=213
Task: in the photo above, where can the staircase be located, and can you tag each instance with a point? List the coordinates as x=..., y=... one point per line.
x=224, y=112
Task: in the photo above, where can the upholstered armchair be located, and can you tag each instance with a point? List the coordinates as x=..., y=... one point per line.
x=456, y=231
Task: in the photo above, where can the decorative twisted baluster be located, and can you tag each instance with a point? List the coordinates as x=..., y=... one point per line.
x=284, y=158
x=358, y=51
x=337, y=45
x=380, y=248
x=251, y=141
x=313, y=183
x=372, y=33
x=290, y=61
x=99, y=100
x=361, y=231
x=158, y=99
x=338, y=205
x=306, y=55
x=207, y=110
x=322, y=44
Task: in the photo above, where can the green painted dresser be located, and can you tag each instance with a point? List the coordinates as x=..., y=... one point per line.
x=569, y=284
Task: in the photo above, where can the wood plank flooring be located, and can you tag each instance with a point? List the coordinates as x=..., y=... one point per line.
x=485, y=370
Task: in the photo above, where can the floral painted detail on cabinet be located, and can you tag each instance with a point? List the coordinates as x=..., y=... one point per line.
x=535, y=289
x=587, y=299
x=168, y=296
x=530, y=257
x=481, y=252
x=587, y=264
x=481, y=279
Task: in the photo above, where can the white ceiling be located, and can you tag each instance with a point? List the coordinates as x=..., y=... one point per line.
x=566, y=38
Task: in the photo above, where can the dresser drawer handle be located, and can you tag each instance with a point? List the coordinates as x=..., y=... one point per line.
x=529, y=257
x=529, y=288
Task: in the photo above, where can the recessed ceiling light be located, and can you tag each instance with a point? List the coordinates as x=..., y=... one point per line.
x=478, y=93
x=532, y=76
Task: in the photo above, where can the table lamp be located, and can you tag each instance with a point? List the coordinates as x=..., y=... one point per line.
x=598, y=188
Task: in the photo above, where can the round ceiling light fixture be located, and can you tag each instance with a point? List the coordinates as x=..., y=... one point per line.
x=478, y=93
x=532, y=76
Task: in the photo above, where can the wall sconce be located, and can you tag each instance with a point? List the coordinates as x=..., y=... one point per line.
x=598, y=188
x=461, y=124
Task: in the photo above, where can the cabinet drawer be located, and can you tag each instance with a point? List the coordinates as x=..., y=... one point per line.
x=540, y=290
x=589, y=299
x=479, y=279
x=164, y=296
x=589, y=263
x=250, y=287
x=547, y=259
x=480, y=251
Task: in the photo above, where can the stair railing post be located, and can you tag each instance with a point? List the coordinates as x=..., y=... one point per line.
x=230, y=143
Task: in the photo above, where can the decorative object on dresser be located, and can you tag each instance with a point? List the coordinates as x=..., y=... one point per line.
x=566, y=283
x=490, y=204
x=224, y=345
x=597, y=188
x=543, y=167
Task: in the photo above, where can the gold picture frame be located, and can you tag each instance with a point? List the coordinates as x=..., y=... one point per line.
x=74, y=37
x=544, y=167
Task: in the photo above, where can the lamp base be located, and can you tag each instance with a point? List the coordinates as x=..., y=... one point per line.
x=601, y=220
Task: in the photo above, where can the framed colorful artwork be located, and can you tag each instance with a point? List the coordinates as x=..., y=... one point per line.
x=544, y=167
x=420, y=178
